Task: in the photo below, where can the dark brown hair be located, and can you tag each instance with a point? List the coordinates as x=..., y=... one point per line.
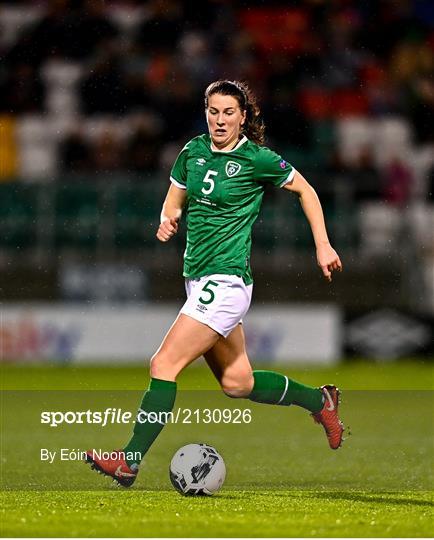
x=253, y=127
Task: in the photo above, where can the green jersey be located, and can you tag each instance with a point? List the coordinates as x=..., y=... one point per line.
x=224, y=195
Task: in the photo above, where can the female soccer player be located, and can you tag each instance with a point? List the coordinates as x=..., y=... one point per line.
x=218, y=179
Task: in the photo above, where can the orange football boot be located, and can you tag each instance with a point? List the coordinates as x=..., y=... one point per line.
x=116, y=467
x=328, y=416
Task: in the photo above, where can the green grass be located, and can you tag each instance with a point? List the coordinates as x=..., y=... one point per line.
x=356, y=375
x=282, y=479
x=230, y=514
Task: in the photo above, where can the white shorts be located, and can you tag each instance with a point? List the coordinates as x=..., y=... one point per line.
x=220, y=301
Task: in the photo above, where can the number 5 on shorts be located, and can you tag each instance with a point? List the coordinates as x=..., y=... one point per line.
x=207, y=289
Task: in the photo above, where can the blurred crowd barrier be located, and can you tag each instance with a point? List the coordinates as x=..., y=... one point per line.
x=129, y=334
x=315, y=334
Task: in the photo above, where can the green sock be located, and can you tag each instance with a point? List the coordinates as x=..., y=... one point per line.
x=159, y=398
x=277, y=389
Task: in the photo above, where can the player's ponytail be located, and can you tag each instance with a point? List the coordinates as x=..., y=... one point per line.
x=253, y=127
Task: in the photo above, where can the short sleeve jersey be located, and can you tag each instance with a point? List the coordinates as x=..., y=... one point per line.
x=224, y=195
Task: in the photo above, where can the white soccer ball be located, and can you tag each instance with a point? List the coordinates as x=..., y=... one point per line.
x=197, y=469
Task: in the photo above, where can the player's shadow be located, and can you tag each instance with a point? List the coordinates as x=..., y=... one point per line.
x=388, y=498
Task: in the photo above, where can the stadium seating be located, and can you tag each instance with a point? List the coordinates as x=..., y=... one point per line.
x=19, y=208
x=78, y=212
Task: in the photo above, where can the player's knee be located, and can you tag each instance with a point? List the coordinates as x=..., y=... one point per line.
x=162, y=368
x=238, y=386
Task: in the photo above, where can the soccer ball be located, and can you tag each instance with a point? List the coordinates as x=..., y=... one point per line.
x=197, y=469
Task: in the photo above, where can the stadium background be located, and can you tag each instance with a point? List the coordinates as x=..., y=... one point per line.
x=96, y=99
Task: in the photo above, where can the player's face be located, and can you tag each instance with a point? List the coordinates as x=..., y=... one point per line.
x=225, y=120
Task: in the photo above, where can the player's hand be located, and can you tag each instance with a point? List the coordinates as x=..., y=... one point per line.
x=167, y=229
x=328, y=260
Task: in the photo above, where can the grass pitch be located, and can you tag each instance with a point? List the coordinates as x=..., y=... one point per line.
x=282, y=479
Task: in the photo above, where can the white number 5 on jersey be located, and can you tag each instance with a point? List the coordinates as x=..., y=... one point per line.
x=208, y=180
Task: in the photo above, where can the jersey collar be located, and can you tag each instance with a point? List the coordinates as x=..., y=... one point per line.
x=240, y=142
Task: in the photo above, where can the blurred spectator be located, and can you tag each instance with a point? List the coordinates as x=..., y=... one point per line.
x=412, y=66
x=430, y=187
x=361, y=173
x=103, y=90
x=144, y=148
x=308, y=67
x=135, y=65
x=382, y=93
x=286, y=123
x=181, y=107
x=341, y=59
x=107, y=153
x=385, y=23
x=160, y=32
x=22, y=90
x=397, y=182
x=206, y=18
x=239, y=59
x=70, y=29
x=90, y=23
x=159, y=74
x=335, y=165
x=194, y=58
x=43, y=39
x=365, y=176
x=421, y=108
x=311, y=62
x=74, y=153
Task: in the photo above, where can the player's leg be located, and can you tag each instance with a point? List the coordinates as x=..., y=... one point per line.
x=230, y=364
x=186, y=340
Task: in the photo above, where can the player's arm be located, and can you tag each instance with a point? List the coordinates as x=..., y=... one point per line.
x=171, y=213
x=327, y=257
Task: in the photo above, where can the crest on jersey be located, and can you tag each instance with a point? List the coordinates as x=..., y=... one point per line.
x=232, y=168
